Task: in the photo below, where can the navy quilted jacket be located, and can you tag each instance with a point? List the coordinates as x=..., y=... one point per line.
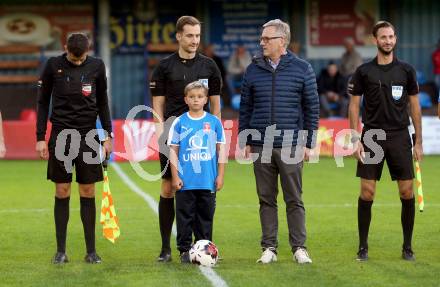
x=286, y=96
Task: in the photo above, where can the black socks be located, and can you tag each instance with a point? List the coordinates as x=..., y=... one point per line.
x=61, y=214
x=88, y=217
x=407, y=219
x=166, y=219
x=364, y=219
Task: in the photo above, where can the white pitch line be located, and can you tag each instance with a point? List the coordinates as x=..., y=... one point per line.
x=212, y=276
x=209, y=273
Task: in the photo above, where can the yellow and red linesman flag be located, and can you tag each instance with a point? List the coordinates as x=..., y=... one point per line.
x=419, y=186
x=420, y=200
x=109, y=220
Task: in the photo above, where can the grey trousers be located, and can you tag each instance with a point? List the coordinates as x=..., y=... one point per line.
x=266, y=176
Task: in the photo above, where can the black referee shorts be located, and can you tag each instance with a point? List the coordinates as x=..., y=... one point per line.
x=86, y=173
x=165, y=163
x=397, y=150
x=164, y=153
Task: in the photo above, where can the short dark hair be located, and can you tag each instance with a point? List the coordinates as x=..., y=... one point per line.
x=186, y=20
x=195, y=86
x=382, y=24
x=78, y=44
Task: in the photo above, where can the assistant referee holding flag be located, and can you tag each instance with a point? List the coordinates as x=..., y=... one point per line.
x=77, y=85
x=167, y=84
x=387, y=85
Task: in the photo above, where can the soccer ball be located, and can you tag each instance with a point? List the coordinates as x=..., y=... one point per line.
x=204, y=253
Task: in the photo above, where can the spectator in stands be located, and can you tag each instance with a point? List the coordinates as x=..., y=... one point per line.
x=226, y=95
x=332, y=94
x=436, y=64
x=351, y=59
x=237, y=65
x=2, y=140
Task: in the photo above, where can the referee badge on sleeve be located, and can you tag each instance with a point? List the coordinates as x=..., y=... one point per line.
x=397, y=92
x=204, y=82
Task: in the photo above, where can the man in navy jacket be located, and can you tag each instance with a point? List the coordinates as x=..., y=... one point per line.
x=279, y=113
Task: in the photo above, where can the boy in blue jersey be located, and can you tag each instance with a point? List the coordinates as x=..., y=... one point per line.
x=197, y=161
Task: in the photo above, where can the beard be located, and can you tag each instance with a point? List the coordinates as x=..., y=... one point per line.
x=189, y=49
x=385, y=52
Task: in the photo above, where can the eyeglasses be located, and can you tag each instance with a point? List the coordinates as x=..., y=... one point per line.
x=267, y=39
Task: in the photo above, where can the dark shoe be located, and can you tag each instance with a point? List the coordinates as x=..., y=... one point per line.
x=60, y=258
x=362, y=254
x=184, y=258
x=164, y=256
x=93, y=258
x=408, y=254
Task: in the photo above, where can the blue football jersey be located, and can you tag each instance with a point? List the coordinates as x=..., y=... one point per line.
x=197, y=139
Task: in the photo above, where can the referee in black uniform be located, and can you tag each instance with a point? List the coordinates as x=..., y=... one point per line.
x=387, y=86
x=77, y=85
x=167, y=84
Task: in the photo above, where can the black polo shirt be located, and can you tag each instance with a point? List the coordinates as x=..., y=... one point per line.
x=173, y=73
x=78, y=94
x=386, y=90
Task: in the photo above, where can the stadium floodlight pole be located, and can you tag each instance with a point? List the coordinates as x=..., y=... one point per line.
x=420, y=199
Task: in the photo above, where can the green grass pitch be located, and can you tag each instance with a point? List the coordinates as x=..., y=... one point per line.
x=27, y=239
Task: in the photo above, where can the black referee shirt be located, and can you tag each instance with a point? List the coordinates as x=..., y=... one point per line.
x=386, y=90
x=173, y=73
x=79, y=95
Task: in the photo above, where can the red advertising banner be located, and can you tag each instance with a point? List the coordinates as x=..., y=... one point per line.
x=45, y=26
x=136, y=140
x=329, y=22
x=333, y=138
x=20, y=139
